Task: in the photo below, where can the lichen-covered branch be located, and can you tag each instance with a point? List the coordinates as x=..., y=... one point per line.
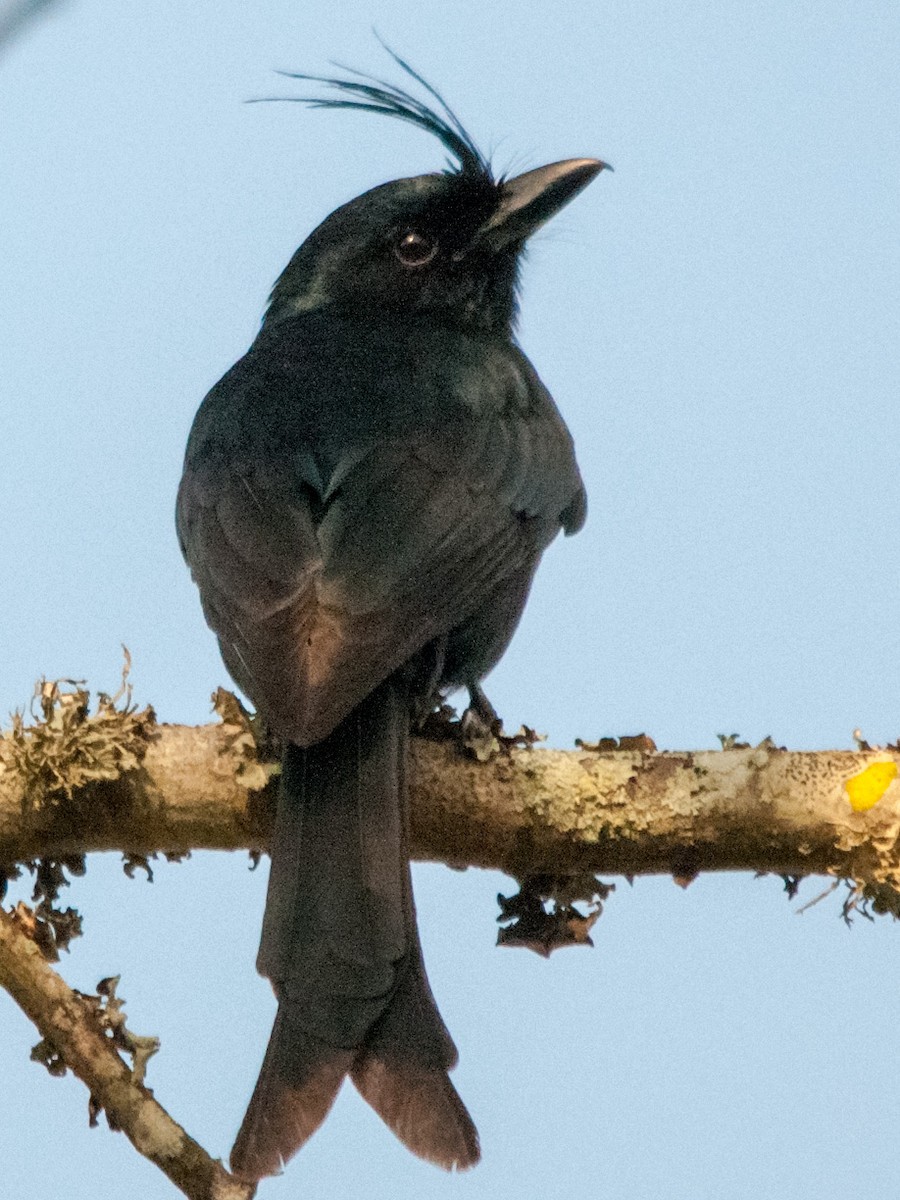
x=630, y=811
x=76, y=780
x=76, y=1037
x=636, y=812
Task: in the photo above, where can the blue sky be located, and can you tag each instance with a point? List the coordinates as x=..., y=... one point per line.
x=719, y=322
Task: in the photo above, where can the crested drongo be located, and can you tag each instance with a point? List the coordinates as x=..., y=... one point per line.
x=366, y=496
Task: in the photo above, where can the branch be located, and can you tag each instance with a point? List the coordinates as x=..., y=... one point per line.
x=76, y=1036
x=628, y=811
x=75, y=781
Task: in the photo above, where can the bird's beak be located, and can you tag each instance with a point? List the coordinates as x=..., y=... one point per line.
x=529, y=200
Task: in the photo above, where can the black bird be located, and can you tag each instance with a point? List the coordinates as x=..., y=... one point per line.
x=366, y=496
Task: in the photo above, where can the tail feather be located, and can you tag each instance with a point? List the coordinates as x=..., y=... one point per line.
x=341, y=948
x=298, y=1083
x=402, y=1073
x=422, y=1107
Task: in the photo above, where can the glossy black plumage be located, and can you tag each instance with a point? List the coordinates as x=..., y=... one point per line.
x=365, y=498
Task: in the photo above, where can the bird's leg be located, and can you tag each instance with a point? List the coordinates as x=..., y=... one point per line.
x=480, y=726
x=481, y=707
x=422, y=675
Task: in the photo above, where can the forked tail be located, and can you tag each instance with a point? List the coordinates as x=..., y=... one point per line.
x=341, y=947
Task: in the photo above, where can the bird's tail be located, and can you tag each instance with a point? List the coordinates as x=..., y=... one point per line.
x=341, y=948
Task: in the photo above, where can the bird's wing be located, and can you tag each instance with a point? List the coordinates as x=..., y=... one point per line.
x=319, y=590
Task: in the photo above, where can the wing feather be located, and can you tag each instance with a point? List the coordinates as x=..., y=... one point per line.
x=321, y=575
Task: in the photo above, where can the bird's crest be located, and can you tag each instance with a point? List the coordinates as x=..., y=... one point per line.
x=367, y=93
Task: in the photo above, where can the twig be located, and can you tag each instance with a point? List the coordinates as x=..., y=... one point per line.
x=74, y=1037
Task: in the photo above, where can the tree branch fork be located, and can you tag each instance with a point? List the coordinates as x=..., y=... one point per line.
x=78, y=782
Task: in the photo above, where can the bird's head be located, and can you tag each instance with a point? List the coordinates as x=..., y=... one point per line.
x=444, y=247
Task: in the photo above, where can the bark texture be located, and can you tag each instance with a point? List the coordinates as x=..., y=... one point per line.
x=631, y=811
x=78, y=781
x=76, y=1035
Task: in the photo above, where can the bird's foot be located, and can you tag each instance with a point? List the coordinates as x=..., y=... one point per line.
x=481, y=729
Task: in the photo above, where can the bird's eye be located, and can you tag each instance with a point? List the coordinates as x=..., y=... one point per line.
x=415, y=249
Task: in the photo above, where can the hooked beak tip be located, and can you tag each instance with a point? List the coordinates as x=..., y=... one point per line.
x=527, y=201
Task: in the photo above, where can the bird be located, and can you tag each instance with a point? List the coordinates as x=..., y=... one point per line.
x=365, y=498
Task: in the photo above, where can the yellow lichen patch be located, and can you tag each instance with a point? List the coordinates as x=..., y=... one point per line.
x=866, y=789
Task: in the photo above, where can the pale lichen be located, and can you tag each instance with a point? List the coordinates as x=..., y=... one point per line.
x=246, y=741
x=68, y=746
